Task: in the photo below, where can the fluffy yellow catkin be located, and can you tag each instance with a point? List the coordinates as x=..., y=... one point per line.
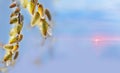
x=11, y=48
x=38, y=17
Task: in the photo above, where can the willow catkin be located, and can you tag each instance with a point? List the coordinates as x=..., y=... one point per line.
x=35, y=19
x=44, y=28
x=40, y=10
x=31, y=7
x=39, y=16
x=15, y=35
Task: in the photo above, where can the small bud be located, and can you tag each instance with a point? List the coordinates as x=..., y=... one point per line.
x=17, y=10
x=20, y=37
x=16, y=55
x=13, y=5
x=48, y=14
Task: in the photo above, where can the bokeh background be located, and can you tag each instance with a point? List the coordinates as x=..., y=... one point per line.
x=86, y=38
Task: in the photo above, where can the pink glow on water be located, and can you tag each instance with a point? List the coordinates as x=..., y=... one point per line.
x=98, y=42
x=102, y=40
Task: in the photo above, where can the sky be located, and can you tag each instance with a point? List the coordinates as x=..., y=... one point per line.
x=86, y=38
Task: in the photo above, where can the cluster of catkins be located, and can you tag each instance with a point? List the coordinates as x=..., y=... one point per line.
x=40, y=17
x=11, y=48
